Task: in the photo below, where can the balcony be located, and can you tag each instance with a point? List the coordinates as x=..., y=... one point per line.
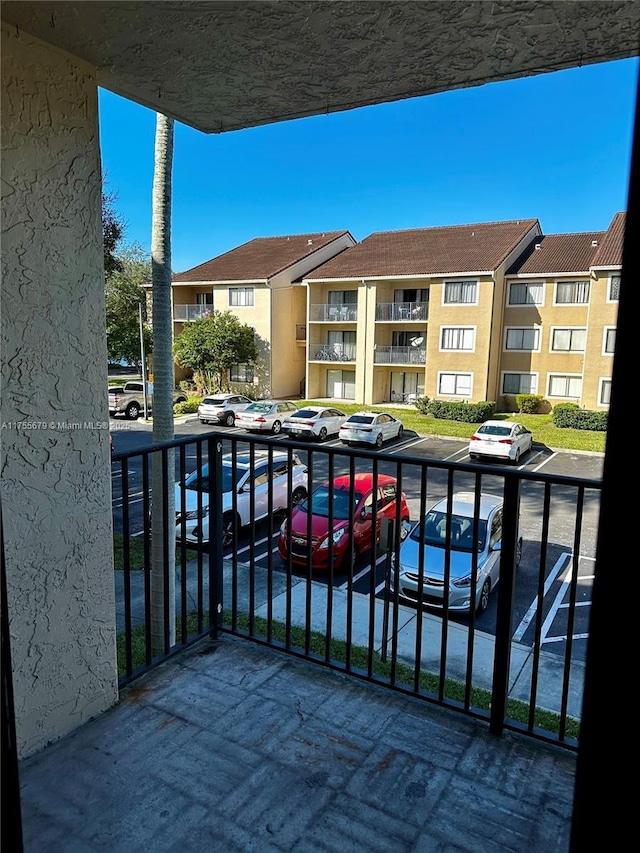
x=394, y=312
x=285, y=694
x=333, y=313
x=400, y=355
x=334, y=352
x=187, y=313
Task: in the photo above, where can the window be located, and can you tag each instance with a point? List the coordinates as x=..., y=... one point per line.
x=241, y=373
x=411, y=294
x=460, y=292
x=526, y=293
x=572, y=293
x=343, y=297
x=241, y=296
x=609, y=342
x=565, y=386
x=519, y=383
x=605, y=392
x=204, y=298
x=457, y=338
x=527, y=339
x=568, y=340
x=454, y=384
x=614, y=289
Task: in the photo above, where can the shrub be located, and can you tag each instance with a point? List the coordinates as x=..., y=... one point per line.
x=189, y=407
x=422, y=405
x=188, y=386
x=529, y=404
x=570, y=416
x=469, y=413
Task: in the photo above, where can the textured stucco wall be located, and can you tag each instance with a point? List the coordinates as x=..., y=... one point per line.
x=55, y=478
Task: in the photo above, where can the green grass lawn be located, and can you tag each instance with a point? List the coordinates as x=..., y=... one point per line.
x=542, y=427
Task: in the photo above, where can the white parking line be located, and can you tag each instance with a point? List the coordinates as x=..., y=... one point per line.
x=545, y=461
x=363, y=573
x=564, y=558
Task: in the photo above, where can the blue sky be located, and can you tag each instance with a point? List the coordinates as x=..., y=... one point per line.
x=556, y=147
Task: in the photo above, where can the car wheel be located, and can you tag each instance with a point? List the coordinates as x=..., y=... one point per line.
x=322, y=434
x=472, y=456
x=276, y=429
x=298, y=496
x=516, y=457
x=227, y=529
x=379, y=440
x=181, y=400
x=518, y=551
x=133, y=411
x=229, y=419
x=400, y=432
x=485, y=592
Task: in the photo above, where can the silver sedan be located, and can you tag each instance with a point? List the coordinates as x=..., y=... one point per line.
x=316, y=422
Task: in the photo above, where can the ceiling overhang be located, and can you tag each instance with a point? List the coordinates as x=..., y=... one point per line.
x=220, y=66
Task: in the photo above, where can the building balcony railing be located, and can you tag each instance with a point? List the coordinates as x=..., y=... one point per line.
x=187, y=313
x=393, y=312
x=333, y=313
x=400, y=355
x=492, y=664
x=334, y=352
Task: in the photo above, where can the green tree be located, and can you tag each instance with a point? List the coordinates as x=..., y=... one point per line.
x=113, y=228
x=212, y=345
x=124, y=293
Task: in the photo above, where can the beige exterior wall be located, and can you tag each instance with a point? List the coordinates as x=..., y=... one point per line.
x=589, y=365
x=603, y=316
x=288, y=355
x=56, y=483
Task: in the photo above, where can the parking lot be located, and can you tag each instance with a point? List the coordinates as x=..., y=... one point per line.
x=562, y=581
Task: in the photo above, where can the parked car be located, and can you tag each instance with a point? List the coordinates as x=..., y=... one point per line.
x=222, y=408
x=345, y=517
x=501, y=440
x=265, y=415
x=128, y=399
x=370, y=428
x=460, y=536
x=314, y=422
x=248, y=485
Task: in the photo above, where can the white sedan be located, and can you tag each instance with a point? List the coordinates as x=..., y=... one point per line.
x=314, y=422
x=265, y=415
x=502, y=440
x=370, y=428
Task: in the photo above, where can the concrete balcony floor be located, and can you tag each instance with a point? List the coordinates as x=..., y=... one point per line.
x=232, y=746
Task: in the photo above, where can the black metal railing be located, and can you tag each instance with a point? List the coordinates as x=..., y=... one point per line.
x=243, y=567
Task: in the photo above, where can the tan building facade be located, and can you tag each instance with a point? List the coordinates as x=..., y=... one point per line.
x=259, y=282
x=468, y=313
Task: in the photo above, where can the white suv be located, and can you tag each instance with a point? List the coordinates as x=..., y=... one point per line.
x=265, y=476
x=222, y=408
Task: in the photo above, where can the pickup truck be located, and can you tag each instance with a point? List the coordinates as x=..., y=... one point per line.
x=128, y=399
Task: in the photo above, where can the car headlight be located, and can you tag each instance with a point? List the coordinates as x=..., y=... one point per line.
x=337, y=536
x=466, y=580
x=195, y=513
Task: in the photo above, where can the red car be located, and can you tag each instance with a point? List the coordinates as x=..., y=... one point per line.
x=345, y=517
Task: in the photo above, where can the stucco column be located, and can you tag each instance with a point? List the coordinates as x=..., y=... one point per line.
x=55, y=475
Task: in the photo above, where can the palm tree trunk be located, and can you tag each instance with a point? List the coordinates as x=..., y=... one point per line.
x=162, y=538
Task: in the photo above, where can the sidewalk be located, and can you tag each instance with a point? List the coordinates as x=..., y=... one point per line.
x=550, y=667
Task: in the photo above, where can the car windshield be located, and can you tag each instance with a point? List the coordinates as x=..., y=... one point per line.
x=340, y=503
x=200, y=482
x=435, y=531
x=360, y=419
x=304, y=413
x=494, y=430
x=213, y=401
x=259, y=407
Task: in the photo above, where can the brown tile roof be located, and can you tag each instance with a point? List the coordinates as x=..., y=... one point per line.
x=558, y=253
x=428, y=251
x=259, y=259
x=610, y=250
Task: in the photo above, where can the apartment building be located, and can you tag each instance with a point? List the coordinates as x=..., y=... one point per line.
x=466, y=312
x=560, y=318
x=415, y=312
x=259, y=282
